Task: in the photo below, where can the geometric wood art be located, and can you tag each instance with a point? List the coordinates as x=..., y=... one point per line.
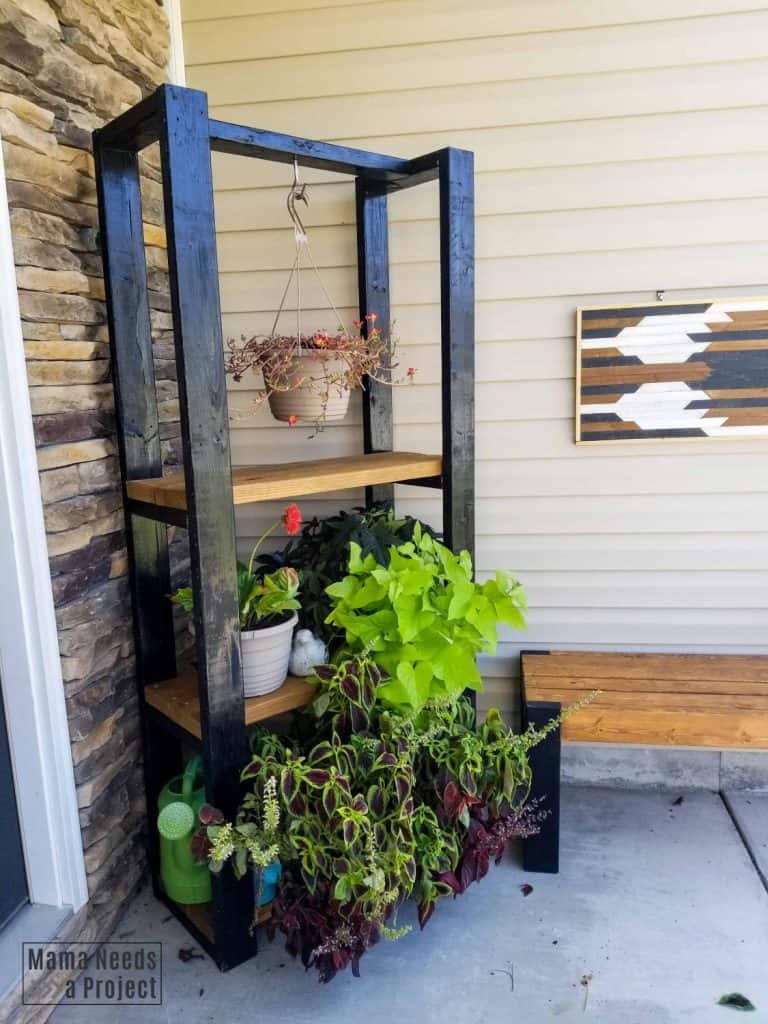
x=682, y=370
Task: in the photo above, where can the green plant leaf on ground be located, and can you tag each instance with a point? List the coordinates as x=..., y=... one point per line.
x=736, y=1001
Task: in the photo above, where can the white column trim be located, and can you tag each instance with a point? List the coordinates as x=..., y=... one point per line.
x=30, y=668
x=177, y=72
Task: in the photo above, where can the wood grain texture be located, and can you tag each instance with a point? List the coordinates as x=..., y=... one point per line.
x=690, y=700
x=177, y=699
x=683, y=668
x=291, y=480
x=668, y=728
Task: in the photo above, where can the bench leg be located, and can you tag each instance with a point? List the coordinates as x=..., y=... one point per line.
x=542, y=852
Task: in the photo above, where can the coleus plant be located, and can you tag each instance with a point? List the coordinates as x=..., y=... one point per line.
x=423, y=618
x=377, y=807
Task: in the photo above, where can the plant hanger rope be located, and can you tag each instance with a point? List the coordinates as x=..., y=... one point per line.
x=297, y=193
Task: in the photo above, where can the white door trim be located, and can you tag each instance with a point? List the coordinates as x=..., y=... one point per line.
x=30, y=669
x=177, y=72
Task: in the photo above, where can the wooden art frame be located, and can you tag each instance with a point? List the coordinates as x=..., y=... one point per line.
x=692, y=370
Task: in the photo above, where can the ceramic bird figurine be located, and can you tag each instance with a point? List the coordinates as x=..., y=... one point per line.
x=307, y=652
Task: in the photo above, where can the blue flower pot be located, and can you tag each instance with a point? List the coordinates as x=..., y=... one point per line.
x=269, y=876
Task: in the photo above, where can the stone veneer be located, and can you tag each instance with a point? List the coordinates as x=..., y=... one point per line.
x=66, y=67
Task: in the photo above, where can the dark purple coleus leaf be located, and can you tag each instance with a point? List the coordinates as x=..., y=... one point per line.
x=287, y=783
x=376, y=800
x=402, y=787
x=367, y=695
x=448, y=878
x=350, y=832
x=351, y=687
x=201, y=846
x=359, y=803
x=358, y=719
x=317, y=777
x=452, y=800
x=325, y=672
x=320, y=752
x=330, y=800
x=210, y=815
x=426, y=910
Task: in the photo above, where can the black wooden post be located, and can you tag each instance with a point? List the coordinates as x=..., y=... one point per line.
x=373, y=287
x=457, y=291
x=192, y=264
x=138, y=435
x=542, y=852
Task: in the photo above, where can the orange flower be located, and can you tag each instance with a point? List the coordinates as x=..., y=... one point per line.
x=292, y=420
x=292, y=518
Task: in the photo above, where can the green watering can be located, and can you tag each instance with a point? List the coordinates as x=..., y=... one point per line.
x=189, y=787
x=179, y=802
x=183, y=880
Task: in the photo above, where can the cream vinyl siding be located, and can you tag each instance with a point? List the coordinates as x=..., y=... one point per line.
x=619, y=150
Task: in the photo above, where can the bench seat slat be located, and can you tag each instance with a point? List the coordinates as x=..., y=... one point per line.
x=680, y=667
x=667, y=728
x=716, y=704
x=539, y=684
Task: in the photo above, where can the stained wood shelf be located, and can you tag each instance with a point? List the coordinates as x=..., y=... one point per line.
x=295, y=479
x=177, y=700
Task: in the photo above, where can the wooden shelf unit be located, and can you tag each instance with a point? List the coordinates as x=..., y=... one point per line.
x=177, y=700
x=208, y=707
x=297, y=479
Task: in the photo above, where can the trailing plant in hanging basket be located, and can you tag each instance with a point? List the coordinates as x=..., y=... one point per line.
x=309, y=378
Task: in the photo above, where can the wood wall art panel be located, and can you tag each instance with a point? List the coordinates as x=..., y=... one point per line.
x=672, y=370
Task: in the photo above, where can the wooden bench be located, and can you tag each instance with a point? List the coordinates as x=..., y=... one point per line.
x=650, y=699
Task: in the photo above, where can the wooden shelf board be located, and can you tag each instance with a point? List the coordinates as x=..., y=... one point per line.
x=177, y=700
x=294, y=479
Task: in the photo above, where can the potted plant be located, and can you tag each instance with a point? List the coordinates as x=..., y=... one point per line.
x=422, y=617
x=251, y=843
x=267, y=604
x=309, y=378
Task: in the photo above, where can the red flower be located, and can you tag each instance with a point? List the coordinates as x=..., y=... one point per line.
x=292, y=420
x=292, y=518
x=411, y=371
x=372, y=317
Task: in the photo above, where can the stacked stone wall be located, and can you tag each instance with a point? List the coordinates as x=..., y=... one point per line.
x=67, y=67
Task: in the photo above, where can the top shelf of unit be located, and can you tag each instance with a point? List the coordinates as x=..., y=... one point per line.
x=294, y=479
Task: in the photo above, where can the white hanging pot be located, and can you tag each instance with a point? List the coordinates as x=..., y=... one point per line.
x=265, y=654
x=317, y=398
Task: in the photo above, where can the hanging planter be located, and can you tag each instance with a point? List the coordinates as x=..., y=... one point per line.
x=320, y=394
x=308, y=378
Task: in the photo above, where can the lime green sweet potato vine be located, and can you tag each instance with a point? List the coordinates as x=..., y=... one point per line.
x=423, y=618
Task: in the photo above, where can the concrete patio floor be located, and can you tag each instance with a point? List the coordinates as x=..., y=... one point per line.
x=659, y=905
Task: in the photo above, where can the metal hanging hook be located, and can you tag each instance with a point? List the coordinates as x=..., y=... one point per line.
x=297, y=193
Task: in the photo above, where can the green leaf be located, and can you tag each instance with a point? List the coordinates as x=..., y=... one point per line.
x=463, y=594
x=736, y=1001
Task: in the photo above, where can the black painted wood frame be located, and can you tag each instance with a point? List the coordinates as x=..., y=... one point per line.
x=178, y=119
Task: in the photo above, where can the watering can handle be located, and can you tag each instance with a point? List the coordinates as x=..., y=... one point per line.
x=191, y=772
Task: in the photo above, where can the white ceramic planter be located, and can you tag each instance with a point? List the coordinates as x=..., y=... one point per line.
x=265, y=654
x=305, y=402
